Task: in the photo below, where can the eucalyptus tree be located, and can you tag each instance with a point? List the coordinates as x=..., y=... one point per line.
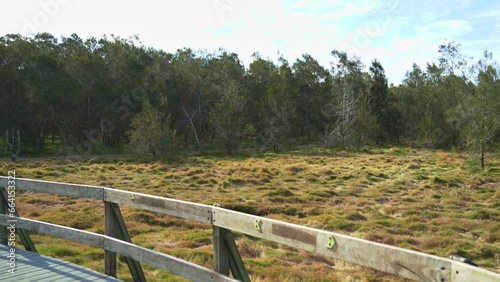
x=387, y=117
x=258, y=80
x=456, y=82
x=46, y=83
x=312, y=84
x=478, y=114
x=191, y=82
x=228, y=116
x=279, y=107
x=84, y=69
x=15, y=70
x=452, y=60
x=409, y=102
x=349, y=84
x=122, y=90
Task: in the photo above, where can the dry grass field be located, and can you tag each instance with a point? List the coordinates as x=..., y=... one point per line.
x=431, y=201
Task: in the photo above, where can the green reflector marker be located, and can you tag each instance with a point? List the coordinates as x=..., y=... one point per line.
x=330, y=242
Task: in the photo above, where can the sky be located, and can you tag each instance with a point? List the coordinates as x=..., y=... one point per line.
x=396, y=32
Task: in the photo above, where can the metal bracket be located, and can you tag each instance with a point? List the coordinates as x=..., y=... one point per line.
x=330, y=242
x=257, y=224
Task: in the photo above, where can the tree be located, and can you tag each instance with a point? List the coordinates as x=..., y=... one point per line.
x=386, y=115
x=424, y=100
x=434, y=130
x=364, y=125
x=409, y=101
x=45, y=87
x=15, y=70
x=349, y=84
x=451, y=59
x=190, y=72
x=150, y=133
x=312, y=81
x=85, y=67
x=258, y=80
x=87, y=90
x=228, y=117
x=12, y=142
x=477, y=114
x=279, y=106
x=453, y=66
x=121, y=89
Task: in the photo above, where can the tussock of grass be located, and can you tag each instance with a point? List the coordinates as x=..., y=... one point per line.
x=355, y=217
x=280, y=192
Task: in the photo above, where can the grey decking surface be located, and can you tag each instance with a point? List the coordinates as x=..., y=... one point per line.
x=35, y=267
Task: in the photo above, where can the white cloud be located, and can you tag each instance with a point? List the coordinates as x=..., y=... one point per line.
x=445, y=29
x=487, y=14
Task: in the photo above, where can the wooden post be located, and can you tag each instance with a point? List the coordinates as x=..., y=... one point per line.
x=109, y=230
x=3, y=210
x=23, y=234
x=221, y=252
x=235, y=262
x=122, y=234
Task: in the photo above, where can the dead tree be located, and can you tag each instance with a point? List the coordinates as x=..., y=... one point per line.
x=14, y=152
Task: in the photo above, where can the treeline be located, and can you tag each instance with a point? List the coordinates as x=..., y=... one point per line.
x=85, y=92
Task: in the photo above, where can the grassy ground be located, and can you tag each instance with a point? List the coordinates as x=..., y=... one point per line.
x=430, y=201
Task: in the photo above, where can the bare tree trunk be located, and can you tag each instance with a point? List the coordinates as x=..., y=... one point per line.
x=13, y=152
x=198, y=145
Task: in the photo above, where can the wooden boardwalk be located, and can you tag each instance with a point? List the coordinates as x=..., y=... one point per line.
x=35, y=267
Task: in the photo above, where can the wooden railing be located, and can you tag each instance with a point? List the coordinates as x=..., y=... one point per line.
x=405, y=263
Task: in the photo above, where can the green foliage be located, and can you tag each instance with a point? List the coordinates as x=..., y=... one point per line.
x=387, y=117
x=275, y=111
x=228, y=117
x=365, y=126
x=72, y=95
x=150, y=133
x=311, y=89
x=477, y=114
x=351, y=119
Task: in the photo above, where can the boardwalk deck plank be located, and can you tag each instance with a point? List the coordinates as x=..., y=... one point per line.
x=35, y=267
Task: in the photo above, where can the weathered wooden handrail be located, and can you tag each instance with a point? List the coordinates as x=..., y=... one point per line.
x=169, y=263
x=405, y=263
x=177, y=208
x=402, y=262
x=56, y=188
